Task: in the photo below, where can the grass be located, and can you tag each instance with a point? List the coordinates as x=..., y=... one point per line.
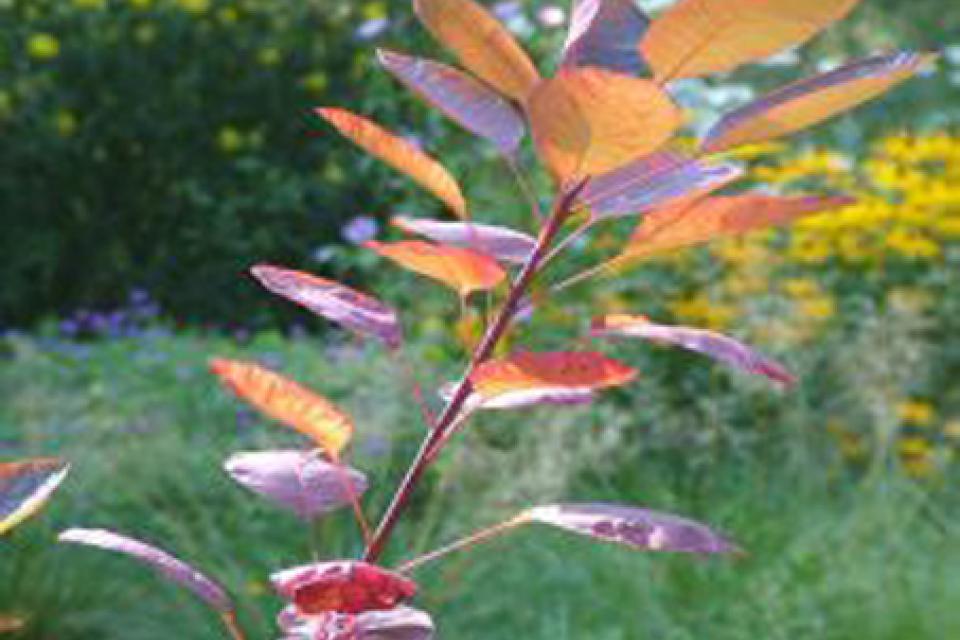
x=832, y=554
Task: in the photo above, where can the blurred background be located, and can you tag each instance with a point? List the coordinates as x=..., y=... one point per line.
x=152, y=150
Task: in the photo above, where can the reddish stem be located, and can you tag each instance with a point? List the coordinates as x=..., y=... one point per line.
x=428, y=449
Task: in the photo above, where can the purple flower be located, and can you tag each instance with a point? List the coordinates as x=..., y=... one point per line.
x=371, y=29
x=360, y=230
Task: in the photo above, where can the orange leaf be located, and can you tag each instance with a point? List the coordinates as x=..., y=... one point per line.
x=399, y=154
x=286, y=401
x=483, y=45
x=700, y=221
x=696, y=37
x=812, y=100
x=464, y=270
x=588, y=121
x=540, y=372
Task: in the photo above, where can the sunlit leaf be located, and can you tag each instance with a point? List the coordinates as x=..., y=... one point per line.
x=558, y=396
x=401, y=623
x=286, y=401
x=351, y=309
x=172, y=568
x=11, y=624
x=697, y=37
x=483, y=45
x=654, y=181
x=606, y=34
x=342, y=587
x=589, y=121
x=638, y=528
x=398, y=153
x=715, y=345
x=812, y=100
x=470, y=103
x=26, y=486
x=713, y=217
x=464, y=270
x=526, y=377
x=297, y=480
x=497, y=242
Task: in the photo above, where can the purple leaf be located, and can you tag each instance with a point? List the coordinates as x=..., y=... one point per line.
x=497, y=242
x=297, y=480
x=606, y=34
x=172, y=568
x=715, y=345
x=639, y=528
x=353, y=310
x=463, y=99
x=26, y=486
x=654, y=181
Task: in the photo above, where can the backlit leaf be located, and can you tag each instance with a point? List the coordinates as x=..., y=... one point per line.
x=297, y=480
x=497, y=242
x=399, y=154
x=606, y=34
x=483, y=45
x=470, y=103
x=286, y=401
x=654, y=181
x=526, y=377
x=715, y=345
x=589, y=121
x=342, y=587
x=401, y=623
x=172, y=568
x=557, y=396
x=696, y=37
x=638, y=528
x=813, y=100
x=464, y=270
x=351, y=309
x=26, y=486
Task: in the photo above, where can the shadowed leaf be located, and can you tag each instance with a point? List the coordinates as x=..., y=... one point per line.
x=696, y=37
x=463, y=270
x=606, y=34
x=590, y=121
x=497, y=242
x=715, y=345
x=26, y=486
x=172, y=568
x=401, y=623
x=286, y=401
x=297, y=480
x=347, y=307
x=638, y=528
x=483, y=45
x=471, y=104
x=342, y=587
x=399, y=154
x=813, y=100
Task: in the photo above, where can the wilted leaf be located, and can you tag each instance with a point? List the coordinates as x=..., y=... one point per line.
x=401, y=623
x=297, y=480
x=464, y=270
x=715, y=217
x=466, y=101
x=654, y=181
x=483, y=45
x=697, y=37
x=589, y=121
x=171, y=567
x=715, y=345
x=399, y=154
x=11, y=624
x=351, y=309
x=527, y=378
x=606, y=34
x=497, y=242
x=26, y=486
x=342, y=587
x=638, y=528
x=286, y=401
x=812, y=100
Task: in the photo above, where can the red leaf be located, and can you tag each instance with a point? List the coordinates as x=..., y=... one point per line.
x=342, y=587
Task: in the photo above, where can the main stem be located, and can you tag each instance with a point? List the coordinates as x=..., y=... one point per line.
x=561, y=211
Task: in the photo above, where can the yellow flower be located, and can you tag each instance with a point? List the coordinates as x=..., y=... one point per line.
x=43, y=46
x=196, y=7
x=65, y=122
x=916, y=412
x=229, y=139
x=818, y=308
x=800, y=287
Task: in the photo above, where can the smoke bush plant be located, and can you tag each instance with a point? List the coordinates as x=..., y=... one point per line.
x=606, y=129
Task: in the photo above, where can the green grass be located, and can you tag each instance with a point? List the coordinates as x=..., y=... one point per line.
x=831, y=555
